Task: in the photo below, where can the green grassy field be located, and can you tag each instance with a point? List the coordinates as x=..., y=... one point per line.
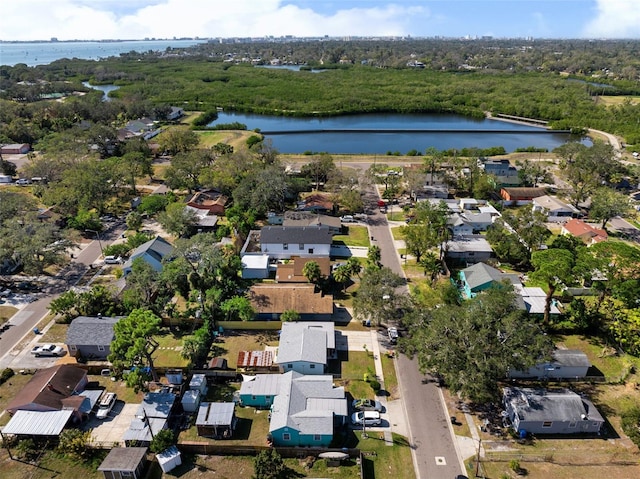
x=356, y=236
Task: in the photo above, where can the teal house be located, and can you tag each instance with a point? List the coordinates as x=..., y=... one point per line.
x=304, y=408
x=259, y=391
x=306, y=411
x=481, y=276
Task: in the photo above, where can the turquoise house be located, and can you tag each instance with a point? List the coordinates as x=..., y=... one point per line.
x=304, y=408
x=481, y=276
x=259, y=391
x=306, y=411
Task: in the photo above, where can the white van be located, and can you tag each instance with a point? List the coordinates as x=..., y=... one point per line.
x=347, y=219
x=6, y=179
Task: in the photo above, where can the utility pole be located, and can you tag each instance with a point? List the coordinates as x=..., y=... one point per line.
x=97, y=233
x=478, y=457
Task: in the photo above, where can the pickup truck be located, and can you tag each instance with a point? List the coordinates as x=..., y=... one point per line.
x=47, y=350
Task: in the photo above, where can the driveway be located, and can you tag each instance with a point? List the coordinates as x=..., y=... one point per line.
x=110, y=430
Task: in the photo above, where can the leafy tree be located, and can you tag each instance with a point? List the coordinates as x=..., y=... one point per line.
x=175, y=140
x=607, y=203
x=144, y=288
x=134, y=221
x=162, y=440
x=134, y=345
x=196, y=346
x=238, y=307
x=186, y=169
x=268, y=464
x=379, y=297
x=153, y=204
x=431, y=264
x=624, y=328
x=75, y=443
x=555, y=268
x=374, y=256
x=419, y=239
x=311, y=271
x=86, y=220
x=133, y=166
x=289, y=315
x=177, y=219
x=474, y=345
x=319, y=169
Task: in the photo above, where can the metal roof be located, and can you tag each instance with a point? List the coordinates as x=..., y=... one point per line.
x=545, y=405
x=38, y=423
x=215, y=414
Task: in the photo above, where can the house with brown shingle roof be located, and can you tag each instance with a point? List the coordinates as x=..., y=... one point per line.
x=587, y=233
x=51, y=389
x=210, y=200
x=271, y=300
x=521, y=195
x=292, y=272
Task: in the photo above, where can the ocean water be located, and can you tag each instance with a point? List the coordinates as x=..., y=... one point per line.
x=42, y=53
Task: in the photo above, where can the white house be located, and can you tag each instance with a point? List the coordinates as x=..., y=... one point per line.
x=306, y=347
x=556, y=211
x=282, y=242
x=565, y=364
x=468, y=249
x=153, y=252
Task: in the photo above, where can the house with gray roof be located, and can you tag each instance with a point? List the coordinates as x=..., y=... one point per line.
x=281, y=242
x=481, y=276
x=259, y=390
x=309, y=218
x=468, y=249
x=306, y=410
x=90, y=337
x=306, y=347
x=544, y=411
x=152, y=416
x=564, y=364
x=152, y=252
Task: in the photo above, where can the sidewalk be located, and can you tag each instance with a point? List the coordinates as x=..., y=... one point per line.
x=388, y=438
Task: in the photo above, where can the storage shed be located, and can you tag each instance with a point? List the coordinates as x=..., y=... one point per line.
x=169, y=459
x=124, y=462
x=216, y=419
x=191, y=400
x=198, y=383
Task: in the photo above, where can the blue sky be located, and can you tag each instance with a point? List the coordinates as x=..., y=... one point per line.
x=137, y=19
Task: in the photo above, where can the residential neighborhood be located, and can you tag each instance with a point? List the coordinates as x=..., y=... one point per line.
x=182, y=300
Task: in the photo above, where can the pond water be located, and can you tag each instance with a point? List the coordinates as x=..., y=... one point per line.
x=382, y=133
x=105, y=89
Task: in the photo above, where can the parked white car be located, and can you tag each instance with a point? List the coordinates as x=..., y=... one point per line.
x=112, y=260
x=47, y=350
x=106, y=404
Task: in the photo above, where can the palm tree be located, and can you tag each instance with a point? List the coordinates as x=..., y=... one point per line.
x=311, y=270
x=342, y=275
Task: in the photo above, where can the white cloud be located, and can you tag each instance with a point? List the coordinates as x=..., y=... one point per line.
x=116, y=19
x=614, y=19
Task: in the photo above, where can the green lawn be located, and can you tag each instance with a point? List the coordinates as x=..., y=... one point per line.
x=6, y=312
x=353, y=370
x=356, y=236
x=389, y=373
x=396, y=231
x=169, y=349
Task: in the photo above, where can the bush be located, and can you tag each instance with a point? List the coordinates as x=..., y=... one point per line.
x=631, y=424
x=375, y=385
x=6, y=374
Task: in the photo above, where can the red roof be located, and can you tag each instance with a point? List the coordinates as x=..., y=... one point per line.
x=255, y=359
x=585, y=231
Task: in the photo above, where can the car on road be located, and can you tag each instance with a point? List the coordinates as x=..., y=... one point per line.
x=347, y=219
x=23, y=182
x=393, y=335
x=112, y=260
x=47, y=350
x=366, y=405
x=106, y=404
x=366, y=418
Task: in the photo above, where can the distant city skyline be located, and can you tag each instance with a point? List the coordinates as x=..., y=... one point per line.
x=29, y=20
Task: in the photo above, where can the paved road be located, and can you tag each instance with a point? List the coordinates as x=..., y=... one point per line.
x=622, y=226
x=23, y=322
x=434, y=449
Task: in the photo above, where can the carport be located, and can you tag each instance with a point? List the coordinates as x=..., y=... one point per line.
x=37, y=423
